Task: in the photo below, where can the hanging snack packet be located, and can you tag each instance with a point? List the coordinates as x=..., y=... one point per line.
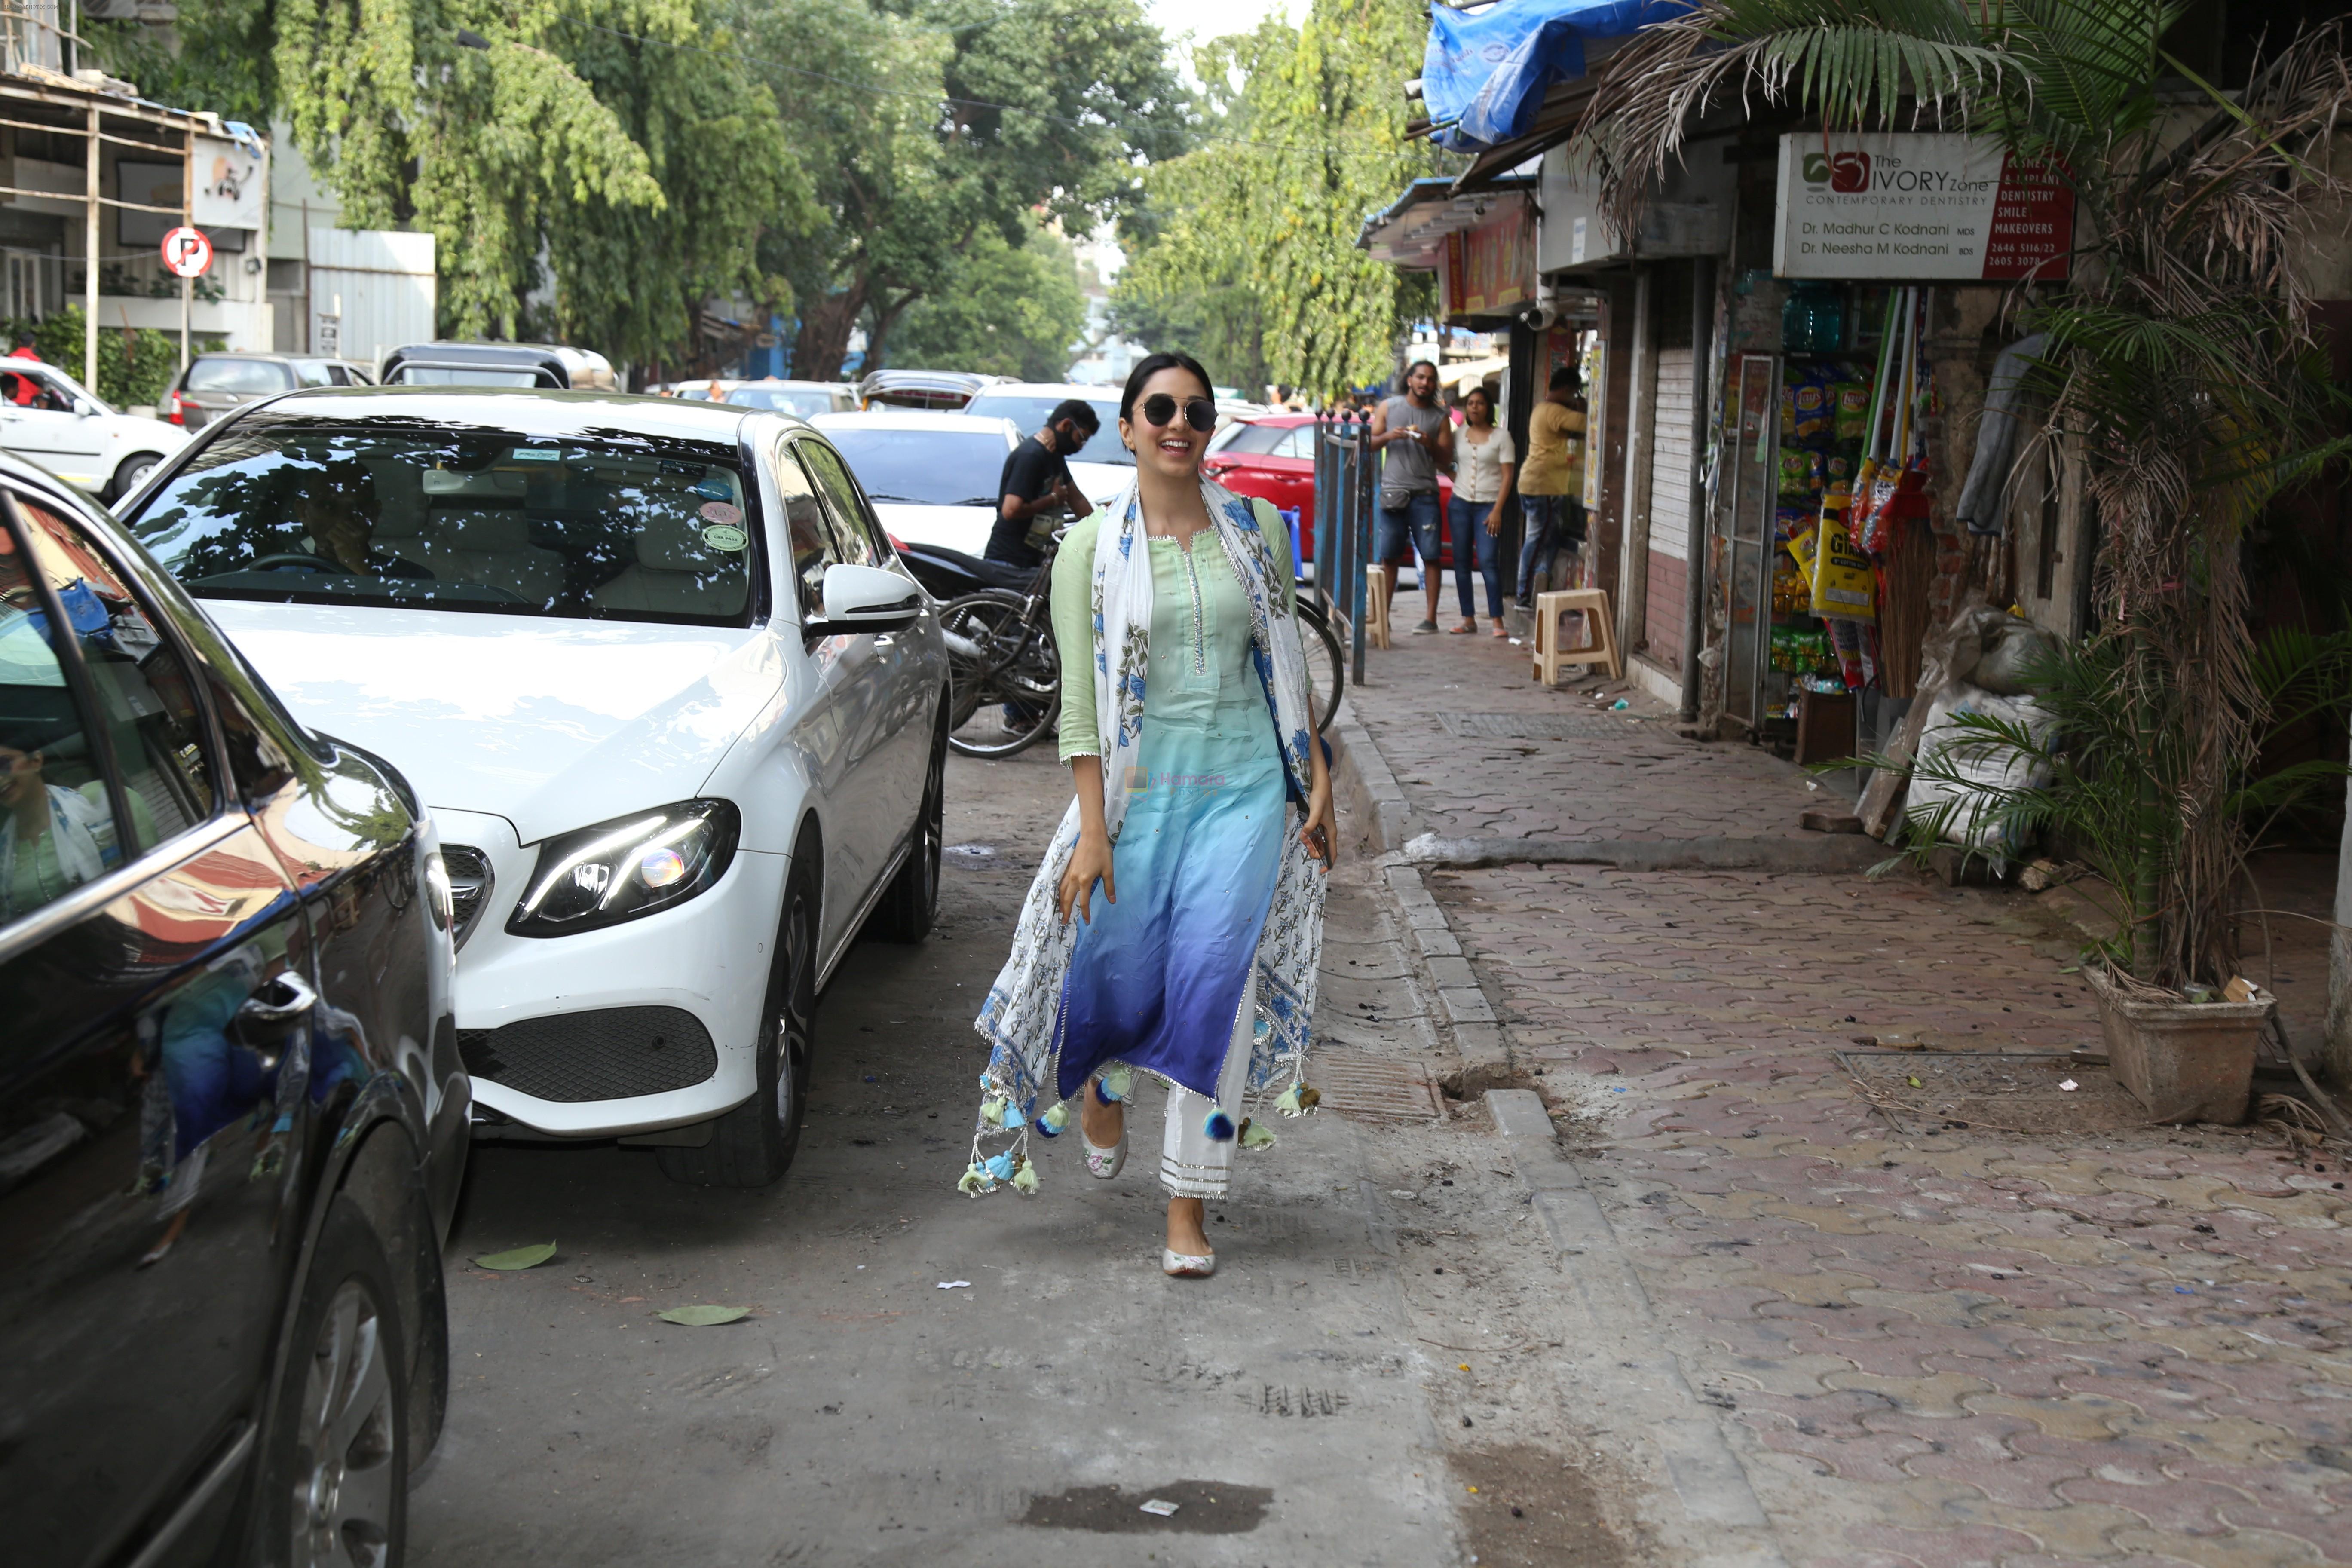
x=1846, y=641
x=1853, y=419
x=1842, y=581
x=1815, y=417
x=1796, y=471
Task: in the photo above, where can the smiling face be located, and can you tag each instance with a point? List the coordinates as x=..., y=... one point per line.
x=1173, y=449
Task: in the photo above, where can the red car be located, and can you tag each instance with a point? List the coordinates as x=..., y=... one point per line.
x=1273, y=457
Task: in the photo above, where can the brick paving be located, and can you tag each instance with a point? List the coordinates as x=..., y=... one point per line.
x=1651, y=783
x=1969, y=1348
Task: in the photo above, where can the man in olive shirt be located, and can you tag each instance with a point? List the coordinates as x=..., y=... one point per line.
x=1551, y=482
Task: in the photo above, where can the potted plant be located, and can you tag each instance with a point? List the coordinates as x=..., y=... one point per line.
x=2179, y=363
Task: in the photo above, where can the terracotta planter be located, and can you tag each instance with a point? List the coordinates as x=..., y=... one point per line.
x=2186, y=1061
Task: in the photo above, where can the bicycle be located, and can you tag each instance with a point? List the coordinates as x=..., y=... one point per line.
x=1005, y=673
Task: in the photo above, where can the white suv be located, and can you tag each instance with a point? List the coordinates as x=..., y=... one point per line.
x=676, y=707
x=52, y=419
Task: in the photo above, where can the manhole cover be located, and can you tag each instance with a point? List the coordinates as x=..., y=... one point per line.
x=1920, y=1091
x=1533, y=726
x=1354, y=1084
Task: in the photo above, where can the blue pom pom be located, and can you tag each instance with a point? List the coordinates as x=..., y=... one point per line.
x=1000, y=1166
x=1045, y=1128
x=1219, y=1127
x=1103, y=1095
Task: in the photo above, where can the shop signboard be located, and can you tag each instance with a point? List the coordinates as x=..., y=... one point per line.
x=1918, y=208
x=1485, y=271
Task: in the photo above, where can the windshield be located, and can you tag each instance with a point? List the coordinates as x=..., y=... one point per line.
x=239, y=375
x=464, y=375
x=1029, y=411
x=804, y=401
x=303, y=511
x=928, y=468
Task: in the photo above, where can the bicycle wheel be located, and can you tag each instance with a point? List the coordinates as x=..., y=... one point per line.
x=1004, y=678
x=1327, y=666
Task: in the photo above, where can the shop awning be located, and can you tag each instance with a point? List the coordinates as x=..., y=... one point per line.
x=1486, y=73
x=1410, y=231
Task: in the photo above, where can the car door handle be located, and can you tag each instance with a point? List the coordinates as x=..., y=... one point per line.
x=296, y=1001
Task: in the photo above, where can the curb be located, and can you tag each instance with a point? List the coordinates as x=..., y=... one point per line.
x=1478, y=1035
x=1362, y=782
x=1816, y=853
x=1624, y=1353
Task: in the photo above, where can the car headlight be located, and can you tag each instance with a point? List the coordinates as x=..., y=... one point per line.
x=630, y=867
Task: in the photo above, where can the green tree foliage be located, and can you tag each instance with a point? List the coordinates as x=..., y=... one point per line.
x=929, y=123
x=1000, y=310
x=623, y=142
x=1252, y=236
x=623, y=137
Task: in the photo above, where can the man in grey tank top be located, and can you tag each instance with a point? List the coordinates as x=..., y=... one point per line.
x=1415, y=438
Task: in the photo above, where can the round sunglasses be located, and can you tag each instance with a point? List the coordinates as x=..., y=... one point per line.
x=1158, y=410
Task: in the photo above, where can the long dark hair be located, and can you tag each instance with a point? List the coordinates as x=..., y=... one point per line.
x=1152, y=365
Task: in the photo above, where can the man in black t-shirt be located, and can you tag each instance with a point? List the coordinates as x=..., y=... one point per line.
x=1037, y=480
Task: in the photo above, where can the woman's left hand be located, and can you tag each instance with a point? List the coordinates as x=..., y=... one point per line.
x=1320, y=833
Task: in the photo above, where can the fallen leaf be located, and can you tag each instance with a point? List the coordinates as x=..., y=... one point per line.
x=520, y=1258
x=703, y=1317
x=1912, y=1079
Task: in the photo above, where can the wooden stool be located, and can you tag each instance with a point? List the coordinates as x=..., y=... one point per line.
x=1376, y=607
x=1600, y=634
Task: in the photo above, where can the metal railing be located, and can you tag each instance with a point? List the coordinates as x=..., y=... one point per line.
x=1345, y=491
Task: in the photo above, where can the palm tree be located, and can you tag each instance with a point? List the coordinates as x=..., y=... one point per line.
x=2180, y=361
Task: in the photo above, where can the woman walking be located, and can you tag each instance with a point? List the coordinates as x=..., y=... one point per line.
x=1483, y=465
x=1187, y=723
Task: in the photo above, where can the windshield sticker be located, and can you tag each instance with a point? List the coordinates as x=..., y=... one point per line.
x=724, y=536
x=715, y=486
x=719, y=511
x=537, y=455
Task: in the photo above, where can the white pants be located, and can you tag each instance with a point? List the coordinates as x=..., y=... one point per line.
x=1191, y=1163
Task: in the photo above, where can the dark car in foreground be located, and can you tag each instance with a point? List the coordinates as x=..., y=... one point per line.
x=232, y=1114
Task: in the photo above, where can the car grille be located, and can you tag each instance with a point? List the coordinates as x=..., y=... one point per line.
x=470, y=882
x=612, y=1053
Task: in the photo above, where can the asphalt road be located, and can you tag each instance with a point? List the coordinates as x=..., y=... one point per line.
x=864, y=1413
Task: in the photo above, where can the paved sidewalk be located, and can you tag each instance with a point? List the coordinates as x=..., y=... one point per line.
x=1956, y=1346
x=1555, y=763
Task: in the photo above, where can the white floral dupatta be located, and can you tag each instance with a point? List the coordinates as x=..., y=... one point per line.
x=1023, y=1005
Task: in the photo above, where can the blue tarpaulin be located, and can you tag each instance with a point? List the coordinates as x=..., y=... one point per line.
x=1486, y=73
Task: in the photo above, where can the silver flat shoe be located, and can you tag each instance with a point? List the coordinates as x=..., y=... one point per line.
x=1186, y=1265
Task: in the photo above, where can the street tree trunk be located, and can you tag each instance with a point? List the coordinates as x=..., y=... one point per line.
x=887, y=312
x=823, y=342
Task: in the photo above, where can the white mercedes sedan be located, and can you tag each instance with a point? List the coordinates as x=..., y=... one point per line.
x=678, y=708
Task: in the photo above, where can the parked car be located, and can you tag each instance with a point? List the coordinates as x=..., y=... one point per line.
x=1103, y=467
x=932, y=477
x=803, y=399
x=1273, y=457
x=497, y=365
x=945, y=390
x=49, y=418
x=653, y=666
x=216, y=382
x=233, y=1118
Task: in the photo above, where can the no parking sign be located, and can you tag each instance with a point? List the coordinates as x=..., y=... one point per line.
x=187, y=252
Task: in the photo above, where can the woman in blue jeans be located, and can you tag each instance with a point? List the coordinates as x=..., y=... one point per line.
x=1483, y=465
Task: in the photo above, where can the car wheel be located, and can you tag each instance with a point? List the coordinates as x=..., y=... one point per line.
x=912, y=904
x=132, y=474
x=336, y=1489
x=752, y=1145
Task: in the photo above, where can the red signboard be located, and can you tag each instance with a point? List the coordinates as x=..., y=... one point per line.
x=2032, y=230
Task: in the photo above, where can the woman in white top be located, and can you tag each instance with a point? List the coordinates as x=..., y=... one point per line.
x=1484, y=464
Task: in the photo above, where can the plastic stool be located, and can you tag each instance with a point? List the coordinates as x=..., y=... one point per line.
x=1376, y=607
x=1600, y=630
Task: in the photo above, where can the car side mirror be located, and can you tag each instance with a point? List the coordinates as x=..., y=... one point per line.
x=864, y=599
